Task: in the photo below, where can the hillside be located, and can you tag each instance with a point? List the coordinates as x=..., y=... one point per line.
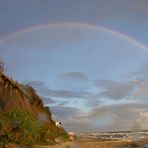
x=23, y=115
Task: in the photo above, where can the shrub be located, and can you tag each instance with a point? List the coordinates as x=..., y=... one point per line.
x=20, y=126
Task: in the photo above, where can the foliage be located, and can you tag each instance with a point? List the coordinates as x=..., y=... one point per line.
x=31, y=122
x=21, y=127
x=63, y=134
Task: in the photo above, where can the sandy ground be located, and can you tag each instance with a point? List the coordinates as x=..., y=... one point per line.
x=64, y=145
x=101, y=144
x=96, y=144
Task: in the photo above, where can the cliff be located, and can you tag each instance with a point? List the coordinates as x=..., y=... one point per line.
x=20, y=103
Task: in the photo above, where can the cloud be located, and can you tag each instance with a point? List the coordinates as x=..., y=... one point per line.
x=141, y=92
x=114, y=89
x=74, y=75
x=47, y=100
x=64, y=103
x=73, y=119
x=125, y=116
x=49, y=95
x=93, y=102
x=134, y=87
x=43, y=90
x=117, y=117
x=64, y=113
x=139, y=81
x=74, y=80
x=142, y=73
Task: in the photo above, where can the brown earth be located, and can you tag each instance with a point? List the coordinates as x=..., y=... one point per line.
x=101, y=144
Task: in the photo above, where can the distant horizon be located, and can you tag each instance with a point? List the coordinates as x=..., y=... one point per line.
x=111, y=131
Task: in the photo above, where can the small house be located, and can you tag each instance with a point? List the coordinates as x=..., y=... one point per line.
x=58, y=124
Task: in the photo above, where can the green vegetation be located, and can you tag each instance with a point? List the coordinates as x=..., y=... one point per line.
x=21, y=127
x=24, y=120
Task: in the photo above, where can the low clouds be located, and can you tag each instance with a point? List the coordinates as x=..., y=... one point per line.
x=72, y=118
x=49, y=101
x=114, y=89
x=125, y=109
x=65, y=113
x=142, y=92
x=128, y=116
x=134, y=88
x=43, y=90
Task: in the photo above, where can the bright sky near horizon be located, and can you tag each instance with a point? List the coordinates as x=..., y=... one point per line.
x=87, y=59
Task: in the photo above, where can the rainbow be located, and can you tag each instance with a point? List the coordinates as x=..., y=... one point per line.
x=87, y=26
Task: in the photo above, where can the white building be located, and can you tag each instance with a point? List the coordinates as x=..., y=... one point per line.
x=58, y=124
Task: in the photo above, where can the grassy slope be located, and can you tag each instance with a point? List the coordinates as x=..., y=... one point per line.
x=22, y=99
